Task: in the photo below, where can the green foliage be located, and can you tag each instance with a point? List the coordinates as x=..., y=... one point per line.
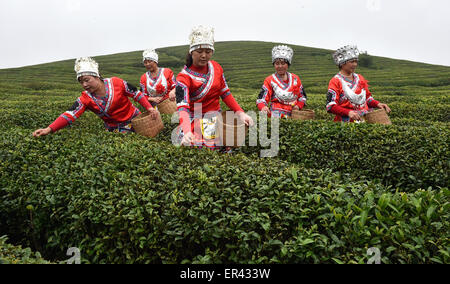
x=123, y=199
x=401, y=157
x=366, y=61
x=10, y=254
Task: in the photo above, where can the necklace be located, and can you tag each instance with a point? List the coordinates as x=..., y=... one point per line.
x=348, y=77
x=283, y=77
x=156, y=73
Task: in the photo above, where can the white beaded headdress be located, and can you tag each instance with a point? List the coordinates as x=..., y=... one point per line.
x=201, y=37
x=86, y=66
x=345, y=54
x=150, y=54
x=282, y=52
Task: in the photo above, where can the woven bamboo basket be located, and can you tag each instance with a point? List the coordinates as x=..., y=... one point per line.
x=378, y=116
x=231, y=130
x=305, y=114
x=144, y=125
x=167, y=107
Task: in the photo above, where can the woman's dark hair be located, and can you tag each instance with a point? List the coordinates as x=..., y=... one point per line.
x=189, y=60
x=287, y=62
x=99, y=76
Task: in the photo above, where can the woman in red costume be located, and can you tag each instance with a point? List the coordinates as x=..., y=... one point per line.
x=157, y=83
x=200, y=86
x=107, y=98
x=348, y=95
x=282, y=90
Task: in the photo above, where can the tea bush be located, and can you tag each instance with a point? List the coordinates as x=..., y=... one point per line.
x=125, y=199
x=10, y=254
x=408, y=158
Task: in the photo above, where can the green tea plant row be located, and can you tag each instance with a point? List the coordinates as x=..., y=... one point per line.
x=127, y=199
x=405, y=156
x=332, y=192
x=38, y=110
x=401, y=156
x=10, y=254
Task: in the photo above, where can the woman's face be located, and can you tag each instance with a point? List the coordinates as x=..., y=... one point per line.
x=281, y=66
x=350, y=66
x=201, y=57
x=90, y=83
x=150, y=65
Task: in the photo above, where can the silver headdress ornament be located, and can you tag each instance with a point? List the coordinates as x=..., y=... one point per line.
x=150, y=54
x=282, y=52
x=201, y=37
x=86, y=66
x=345, y=54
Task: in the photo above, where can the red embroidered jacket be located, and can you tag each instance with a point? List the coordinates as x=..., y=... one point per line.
x=202, y=86
x=282, y=95
x=340, y=104
x=158, y=86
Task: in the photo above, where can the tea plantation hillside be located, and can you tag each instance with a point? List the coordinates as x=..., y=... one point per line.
x=332, y=191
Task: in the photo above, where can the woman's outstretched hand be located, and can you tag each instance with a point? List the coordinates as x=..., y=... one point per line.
x=265, y=110
x=188, y=139
x=354, y=116
x=153, y=112
x=385, y=107
x=245, y=118
x=156, y=100
x=172, y=95
x=42, y=132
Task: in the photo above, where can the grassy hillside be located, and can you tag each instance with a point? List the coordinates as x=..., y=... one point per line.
x=246, y=64
x=332, y=192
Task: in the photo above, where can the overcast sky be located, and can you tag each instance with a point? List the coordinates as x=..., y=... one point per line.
x=40, y=31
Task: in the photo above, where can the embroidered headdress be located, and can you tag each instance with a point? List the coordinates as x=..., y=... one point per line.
x=150, y=54
x=201, y=37
x=345, y=54
x=86, y=66
x=282, y=52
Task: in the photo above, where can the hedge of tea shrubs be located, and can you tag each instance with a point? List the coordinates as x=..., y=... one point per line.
x=10, y=254
x=332, y=192
x=404, y=157
x=128, y=199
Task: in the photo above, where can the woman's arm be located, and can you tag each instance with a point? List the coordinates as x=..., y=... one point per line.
x=301, y=101
x=182, y=99
x=64, y=119
x=138, y=96
x=143, y=84
x=231, y=102
x=234, y=106
x=265, y=96
x=171, y=86
x=333, y=107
